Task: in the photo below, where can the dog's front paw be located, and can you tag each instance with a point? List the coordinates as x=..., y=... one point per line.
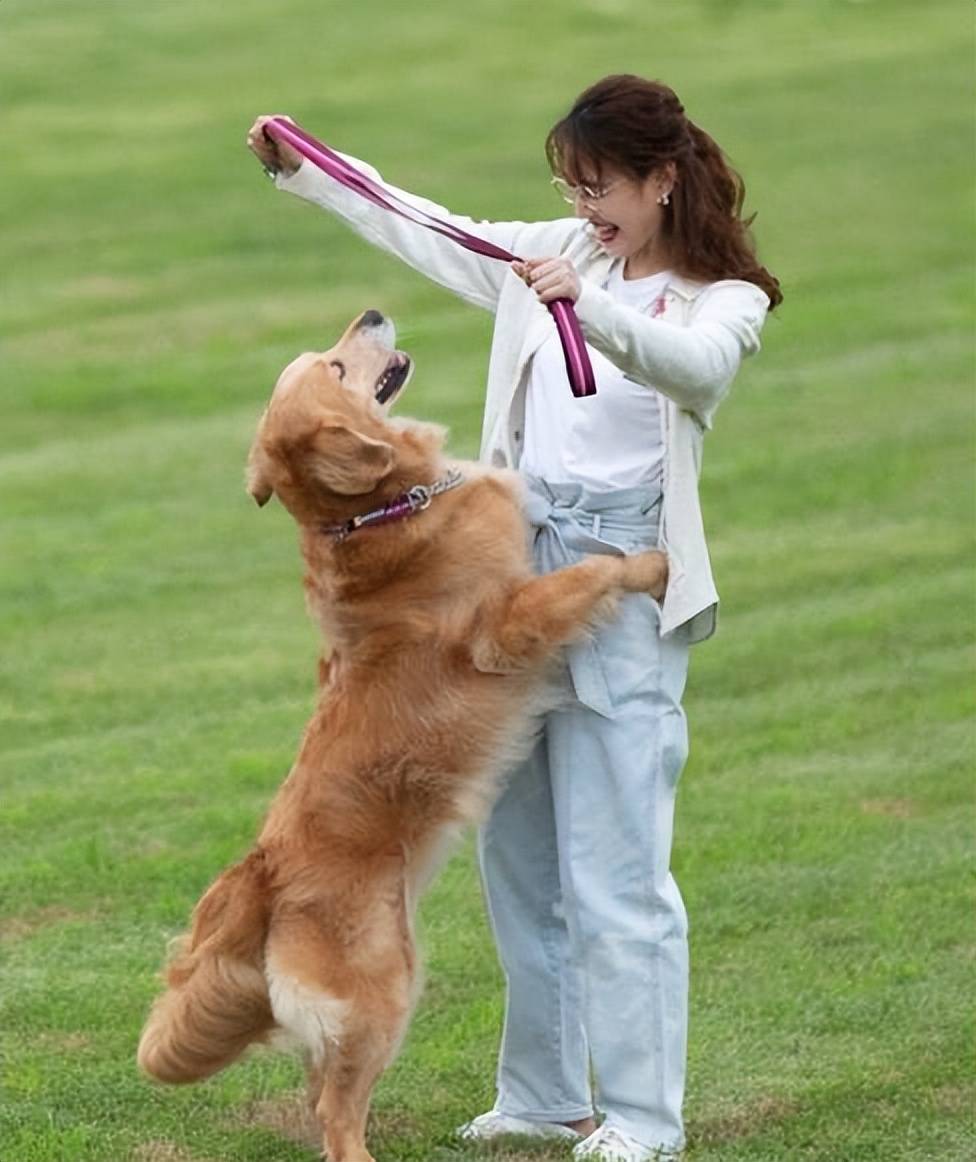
x=646, y=573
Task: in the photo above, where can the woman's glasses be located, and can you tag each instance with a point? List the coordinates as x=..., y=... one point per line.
x=583, y=193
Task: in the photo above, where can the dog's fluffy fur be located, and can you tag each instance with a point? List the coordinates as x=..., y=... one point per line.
x=441, y=635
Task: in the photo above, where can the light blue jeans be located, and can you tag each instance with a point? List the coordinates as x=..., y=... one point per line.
x=590, y=926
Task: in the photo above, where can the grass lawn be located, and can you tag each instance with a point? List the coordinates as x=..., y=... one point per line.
x=157, y=666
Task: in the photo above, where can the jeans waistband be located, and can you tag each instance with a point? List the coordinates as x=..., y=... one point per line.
x=639, y=500
x=594, y=521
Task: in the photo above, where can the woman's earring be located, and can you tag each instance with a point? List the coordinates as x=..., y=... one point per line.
x=664, y=200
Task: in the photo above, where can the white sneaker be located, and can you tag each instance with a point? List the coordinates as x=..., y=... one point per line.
x=611, y=1145
x=494, y=1124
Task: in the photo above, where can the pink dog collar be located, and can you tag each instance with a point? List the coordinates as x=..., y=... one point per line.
x=578, y=368
x=406, y=504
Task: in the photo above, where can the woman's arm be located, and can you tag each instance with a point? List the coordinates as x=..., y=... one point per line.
x=694, y=364
x=472, y=276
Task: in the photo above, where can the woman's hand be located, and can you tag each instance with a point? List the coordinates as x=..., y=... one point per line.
x=278, y=156
x=550, y=278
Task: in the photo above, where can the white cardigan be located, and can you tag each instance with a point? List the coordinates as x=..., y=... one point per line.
x=690, y=352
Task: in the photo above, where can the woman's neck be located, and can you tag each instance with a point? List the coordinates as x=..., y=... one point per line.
x=650, y=259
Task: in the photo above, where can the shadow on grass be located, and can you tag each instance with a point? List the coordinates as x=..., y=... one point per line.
x=291, y=1117
x=509, y=1149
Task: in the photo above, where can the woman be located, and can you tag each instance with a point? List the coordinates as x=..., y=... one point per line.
x=589, y=923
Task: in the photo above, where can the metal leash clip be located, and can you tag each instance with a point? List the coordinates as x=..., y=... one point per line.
x=419, y=496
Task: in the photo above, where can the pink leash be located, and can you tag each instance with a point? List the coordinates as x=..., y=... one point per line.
x=578, y=367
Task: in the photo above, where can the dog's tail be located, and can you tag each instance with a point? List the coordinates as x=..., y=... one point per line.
x=217, y=1001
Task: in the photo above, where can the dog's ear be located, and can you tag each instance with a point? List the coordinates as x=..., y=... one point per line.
x=346, y=461
x=258, y=476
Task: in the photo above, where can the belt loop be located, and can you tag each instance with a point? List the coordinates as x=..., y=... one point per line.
x=596, y=525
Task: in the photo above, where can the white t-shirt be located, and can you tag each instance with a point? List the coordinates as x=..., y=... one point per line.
x=609, y=440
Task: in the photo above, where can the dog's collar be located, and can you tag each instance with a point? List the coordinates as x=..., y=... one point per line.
x=406, y=504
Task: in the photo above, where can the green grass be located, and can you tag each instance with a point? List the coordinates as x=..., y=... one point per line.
x=157, y=665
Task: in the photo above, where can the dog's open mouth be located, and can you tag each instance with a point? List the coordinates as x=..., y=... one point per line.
x=394, y=377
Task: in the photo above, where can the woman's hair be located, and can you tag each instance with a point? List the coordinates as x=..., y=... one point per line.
x=637, y=126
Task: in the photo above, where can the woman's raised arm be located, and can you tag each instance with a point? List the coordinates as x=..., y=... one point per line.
x=472, y=276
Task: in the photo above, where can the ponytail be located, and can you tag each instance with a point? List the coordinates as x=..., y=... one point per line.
x=706, y=226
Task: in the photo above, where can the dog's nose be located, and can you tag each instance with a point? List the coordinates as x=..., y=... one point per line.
x=380, y=328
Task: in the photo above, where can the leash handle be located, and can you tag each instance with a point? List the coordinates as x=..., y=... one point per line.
x=578, y=367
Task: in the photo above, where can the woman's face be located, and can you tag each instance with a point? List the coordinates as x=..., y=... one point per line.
x=624, y=212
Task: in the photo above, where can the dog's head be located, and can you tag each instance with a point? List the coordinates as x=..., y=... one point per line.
x=324, y=437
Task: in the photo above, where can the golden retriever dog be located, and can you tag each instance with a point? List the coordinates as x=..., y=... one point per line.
x=441, y=635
